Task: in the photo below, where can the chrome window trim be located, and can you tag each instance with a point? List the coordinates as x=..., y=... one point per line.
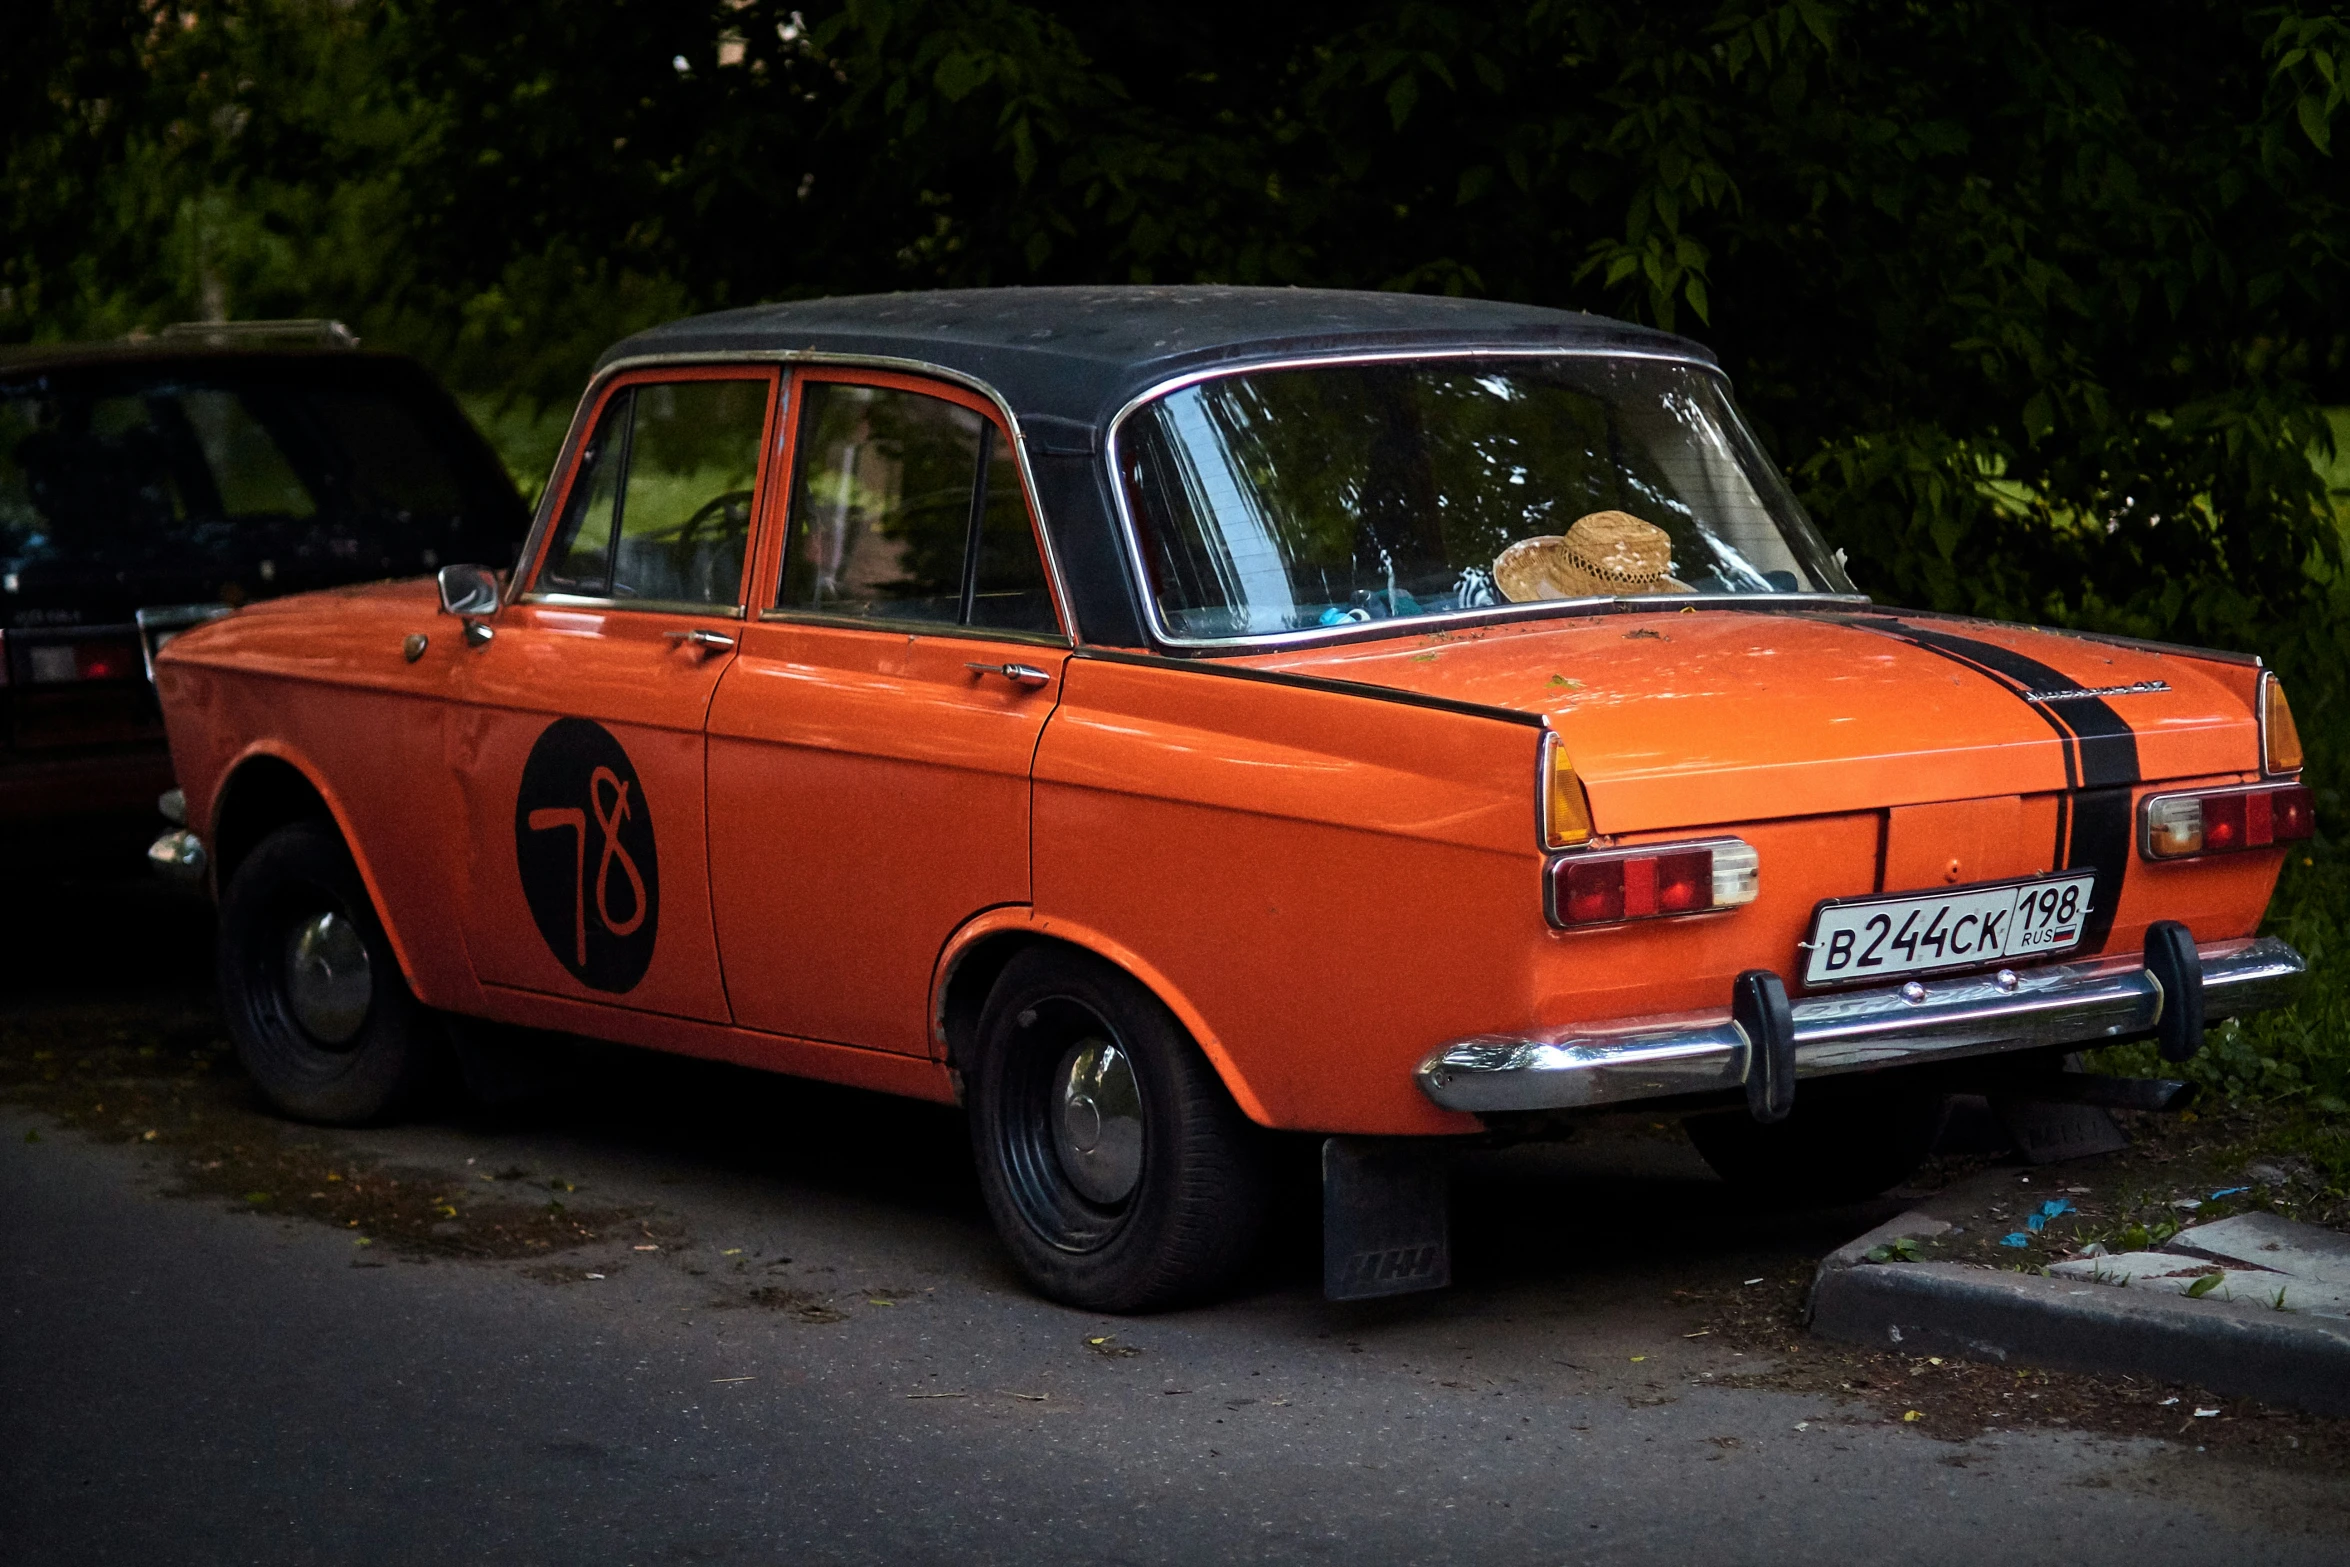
x=912, y=628
x=809, y=358
x=651, y=606
x=1310, y=636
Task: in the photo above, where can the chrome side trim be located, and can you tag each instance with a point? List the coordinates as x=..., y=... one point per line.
x=913, y=628
x=646, y=606
x=2084, y=1003
x=1138, y=560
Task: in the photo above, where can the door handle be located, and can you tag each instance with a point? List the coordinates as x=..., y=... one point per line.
x=710, y=641
x=1019, y=674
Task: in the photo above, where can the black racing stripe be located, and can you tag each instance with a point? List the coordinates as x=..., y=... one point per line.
x=2107, y=746
x=2101, y=841
x=2096, y=818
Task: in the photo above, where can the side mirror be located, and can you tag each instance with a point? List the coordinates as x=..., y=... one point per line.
x=470, y=590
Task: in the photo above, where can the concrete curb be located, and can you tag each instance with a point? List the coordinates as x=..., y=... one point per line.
x=1947, y=1308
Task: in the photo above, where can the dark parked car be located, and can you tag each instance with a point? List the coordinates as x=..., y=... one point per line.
x=147, y=486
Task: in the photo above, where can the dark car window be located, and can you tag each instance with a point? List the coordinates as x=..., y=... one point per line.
x=397, y=468
x=249, y=469
x=661, y=510
x=196, y=479
x=894, y=489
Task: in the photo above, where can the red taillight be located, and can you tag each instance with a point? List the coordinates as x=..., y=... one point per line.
x=106, y=660
x=1594, y=891
x=2296, y=815
x=2223, y=821
x=1684, y=882
x=1632, y=884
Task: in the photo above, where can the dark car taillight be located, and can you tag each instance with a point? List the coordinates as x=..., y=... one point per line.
x=2224, y=821
x=64, y=663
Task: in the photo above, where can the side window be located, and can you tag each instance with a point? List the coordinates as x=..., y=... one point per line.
x=906, y=508
x=660, y=512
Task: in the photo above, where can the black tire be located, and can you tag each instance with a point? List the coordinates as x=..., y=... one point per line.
x=368, y=1072
x=1847, y=1139
x=1194, y=1213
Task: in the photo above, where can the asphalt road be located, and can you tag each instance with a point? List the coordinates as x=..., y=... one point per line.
x=824, y=1357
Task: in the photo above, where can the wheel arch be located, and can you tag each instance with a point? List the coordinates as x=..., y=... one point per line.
x=266, y=789
x=978, y=953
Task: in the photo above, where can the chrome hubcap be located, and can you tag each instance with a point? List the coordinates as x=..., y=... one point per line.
x=329, y=979
x=1098, y=1119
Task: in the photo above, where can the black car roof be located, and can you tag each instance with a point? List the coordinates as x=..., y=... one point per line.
x=1067, y=359
x=1081, y=354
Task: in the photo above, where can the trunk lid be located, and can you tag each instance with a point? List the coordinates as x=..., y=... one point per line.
x=1685, y=718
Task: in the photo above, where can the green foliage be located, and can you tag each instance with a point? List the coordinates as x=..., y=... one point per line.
x=2299, y=1056
x=2040, y=304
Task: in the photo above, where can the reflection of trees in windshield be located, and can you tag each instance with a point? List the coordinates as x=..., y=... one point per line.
x=1299, y=498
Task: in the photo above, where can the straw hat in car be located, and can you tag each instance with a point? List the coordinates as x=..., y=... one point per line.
x=1604, y=555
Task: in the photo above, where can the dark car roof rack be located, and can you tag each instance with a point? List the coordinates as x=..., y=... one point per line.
x=225, y=334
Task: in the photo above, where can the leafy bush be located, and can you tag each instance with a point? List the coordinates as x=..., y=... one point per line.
x=2298, y=1056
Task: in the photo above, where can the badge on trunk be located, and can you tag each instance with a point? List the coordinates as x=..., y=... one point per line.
x=583, y=838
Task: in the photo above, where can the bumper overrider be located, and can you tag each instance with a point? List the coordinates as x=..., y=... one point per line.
x=1763, y=1042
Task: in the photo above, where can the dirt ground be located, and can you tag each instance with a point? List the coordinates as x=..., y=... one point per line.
x=160, y=1072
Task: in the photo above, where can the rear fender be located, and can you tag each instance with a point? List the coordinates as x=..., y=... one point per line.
x=948, y=1008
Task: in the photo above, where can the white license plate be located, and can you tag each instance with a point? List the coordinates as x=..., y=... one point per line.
x=1870, y=938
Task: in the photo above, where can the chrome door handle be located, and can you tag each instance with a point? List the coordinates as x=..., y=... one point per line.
x=1019, y=674
x=715, y=641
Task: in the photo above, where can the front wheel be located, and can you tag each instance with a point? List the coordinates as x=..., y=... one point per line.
x=313, y=997
x=1117, y=1169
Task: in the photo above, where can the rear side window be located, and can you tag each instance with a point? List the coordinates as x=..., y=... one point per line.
x=908, y=508
x=660, y=512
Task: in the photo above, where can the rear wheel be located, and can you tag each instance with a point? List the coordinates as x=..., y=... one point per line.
x=1117, y=1169
x=321, y=1018
x=1845, y=1140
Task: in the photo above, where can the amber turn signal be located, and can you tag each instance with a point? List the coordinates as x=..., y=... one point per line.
x=2280, y=739
x=1566, y=809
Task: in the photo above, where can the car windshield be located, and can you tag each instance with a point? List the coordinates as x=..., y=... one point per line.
x=1290, y=500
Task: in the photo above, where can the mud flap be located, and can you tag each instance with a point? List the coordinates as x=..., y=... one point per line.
x=1386, y=1217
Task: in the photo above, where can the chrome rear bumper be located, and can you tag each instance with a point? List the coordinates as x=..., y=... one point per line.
x=2077, y=1004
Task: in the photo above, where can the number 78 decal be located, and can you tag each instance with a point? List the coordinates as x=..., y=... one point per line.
x=550, y=818
x=584, y=848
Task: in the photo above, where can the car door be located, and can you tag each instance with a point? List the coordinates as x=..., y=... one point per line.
x=579, y=735
x=870, y=746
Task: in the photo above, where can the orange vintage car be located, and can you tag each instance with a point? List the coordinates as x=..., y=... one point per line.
x=1157, y=719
